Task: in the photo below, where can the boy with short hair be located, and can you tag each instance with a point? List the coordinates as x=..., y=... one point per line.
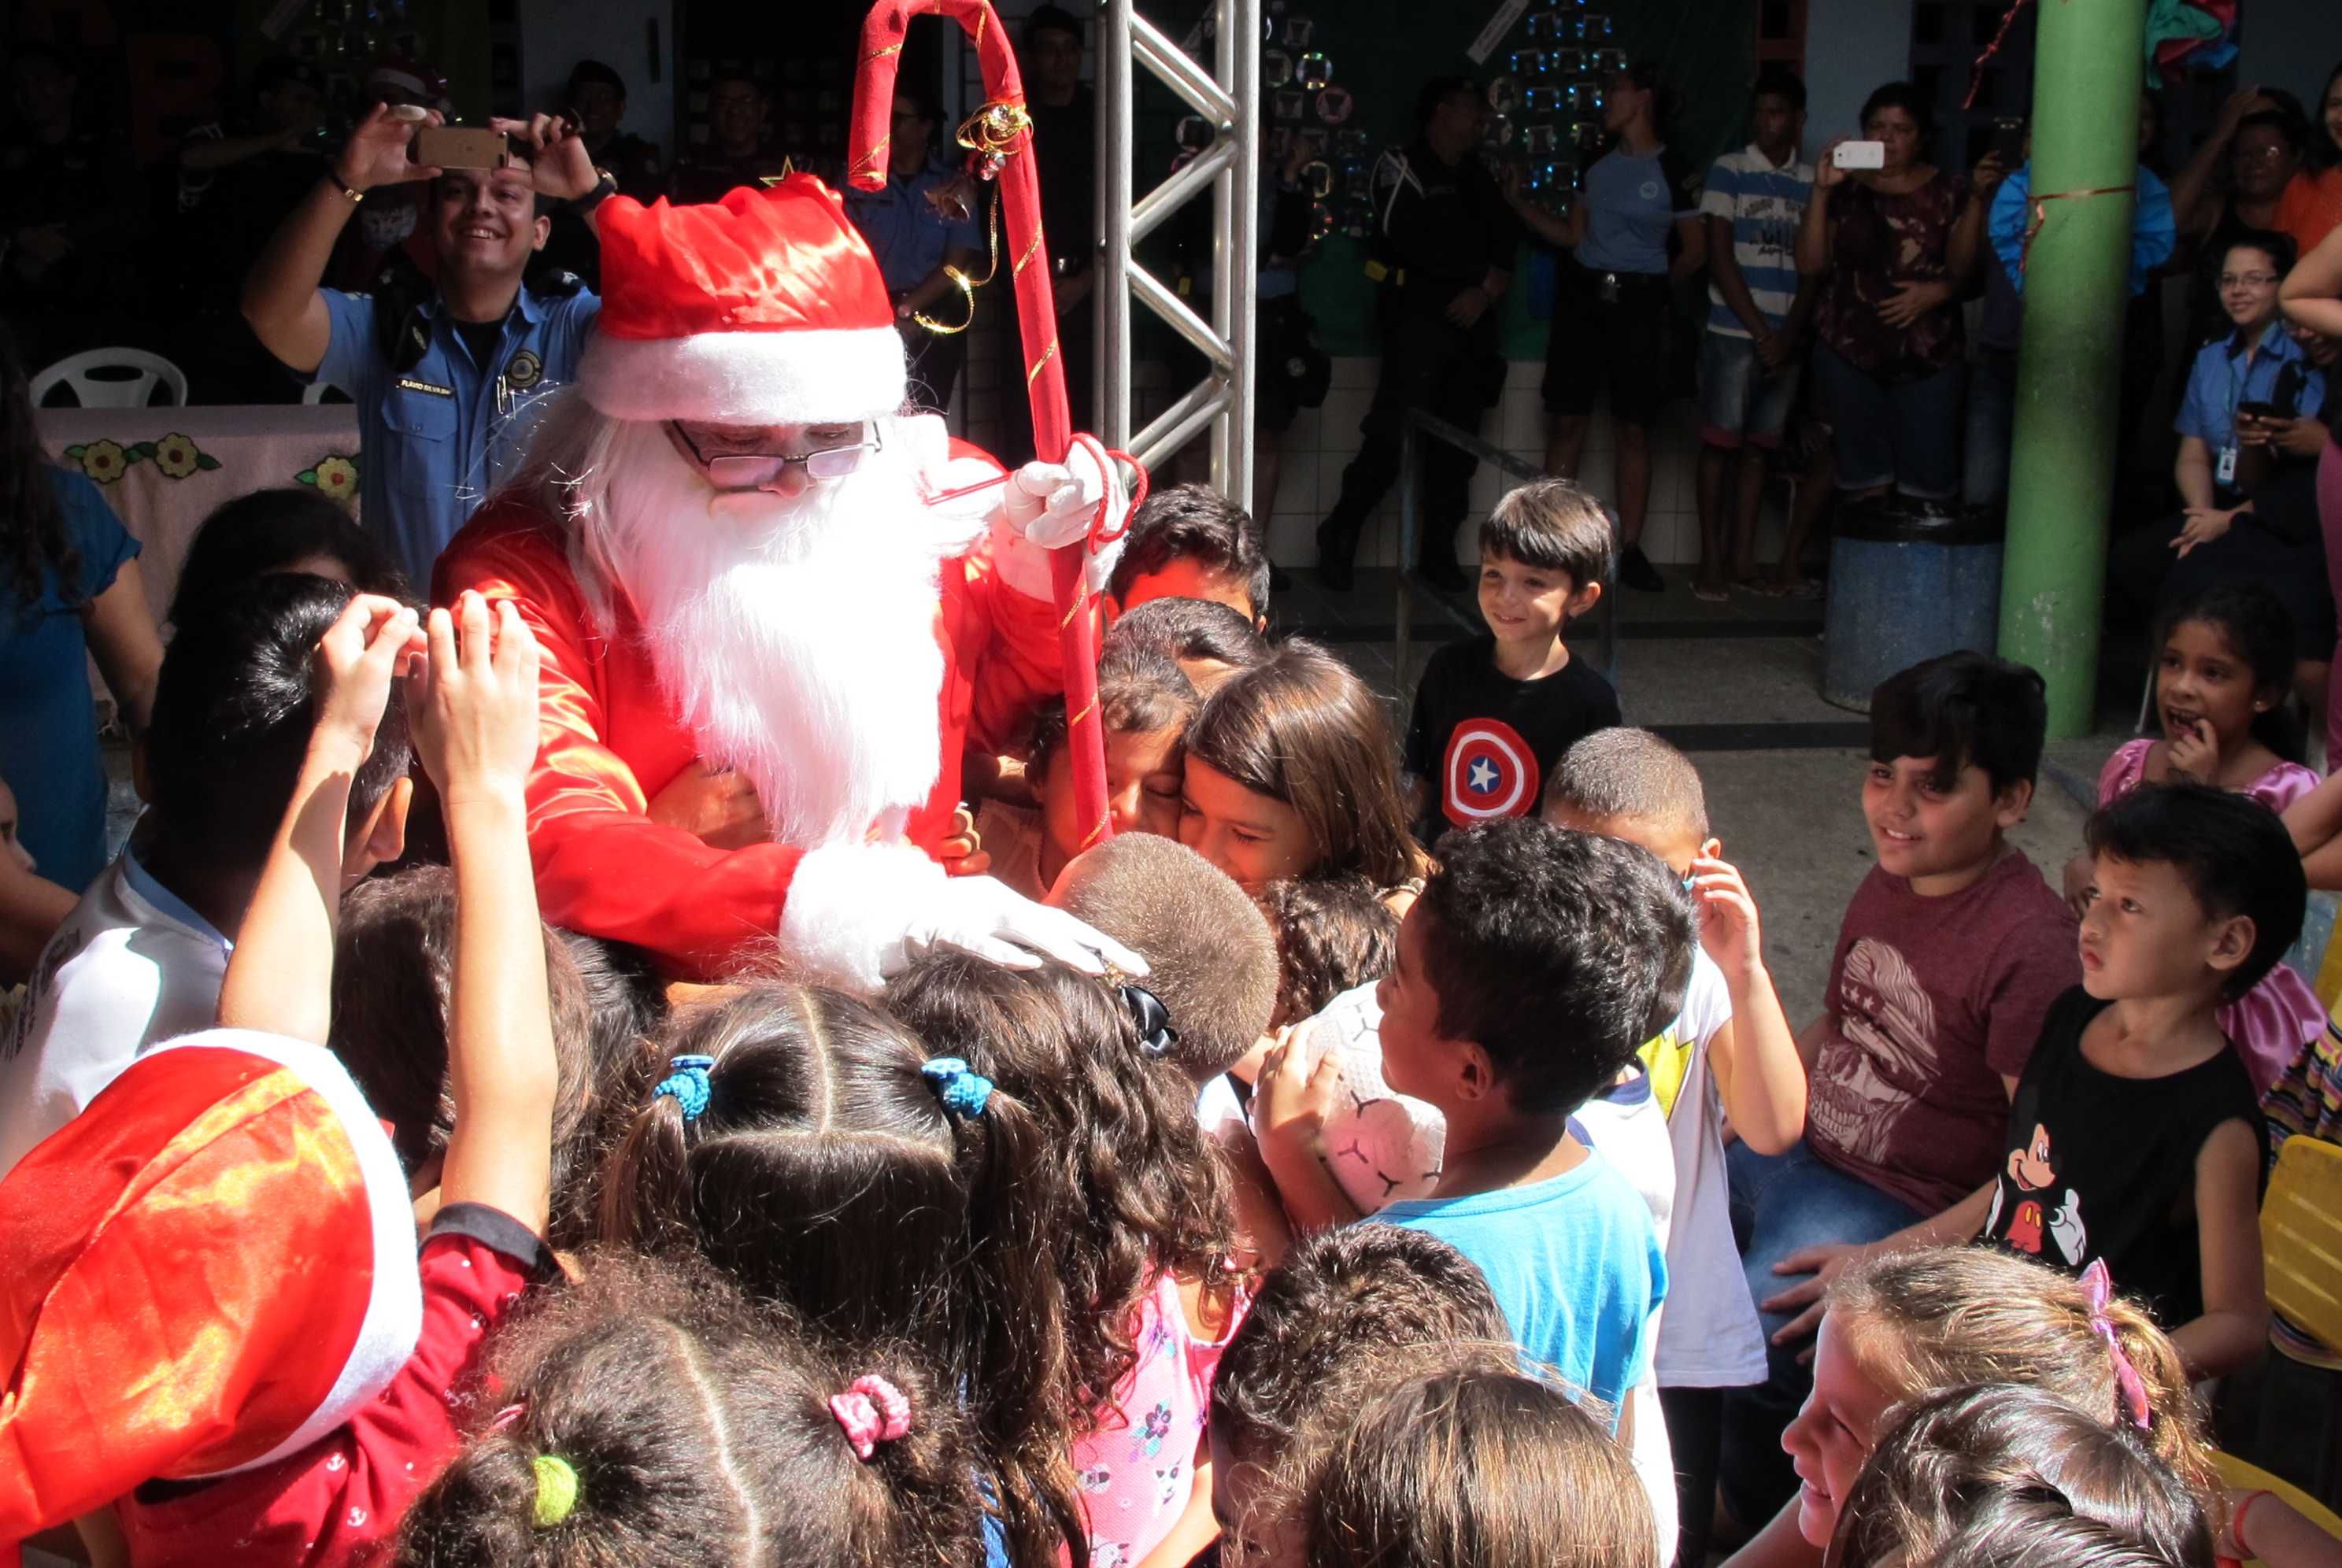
x=1758, y=306
x=1210, y=641
x=1949, y=956
x=142, y=956
x=1190, y=542
x=1494, y=715
x=1535, y=963
x=1347, y=1312
x=1211, y=959
x=1728, y=1056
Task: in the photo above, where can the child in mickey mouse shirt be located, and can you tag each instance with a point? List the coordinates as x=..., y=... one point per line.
x=2133, y=1137
x=1493, y=714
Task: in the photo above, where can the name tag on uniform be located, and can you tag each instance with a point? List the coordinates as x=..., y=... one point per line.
x=408, y=384
x=2225, y=471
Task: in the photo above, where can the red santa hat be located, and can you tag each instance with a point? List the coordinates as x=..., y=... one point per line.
x=210, y=1267
x=764, y=308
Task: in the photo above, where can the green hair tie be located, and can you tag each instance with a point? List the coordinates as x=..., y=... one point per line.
x=556, y=1491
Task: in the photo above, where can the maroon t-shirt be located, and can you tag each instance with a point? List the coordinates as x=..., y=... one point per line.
x=1932, y=1002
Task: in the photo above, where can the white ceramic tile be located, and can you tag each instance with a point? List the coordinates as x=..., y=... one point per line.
x=1292, y=538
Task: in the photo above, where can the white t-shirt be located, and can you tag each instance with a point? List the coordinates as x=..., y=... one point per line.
x=131, y=967
x=1625, y=1126
x=1709, y=1336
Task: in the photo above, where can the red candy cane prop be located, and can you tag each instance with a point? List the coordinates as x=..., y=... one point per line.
x=1003, y=140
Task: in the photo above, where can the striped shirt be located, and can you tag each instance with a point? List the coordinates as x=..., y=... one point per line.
x=1765, y=204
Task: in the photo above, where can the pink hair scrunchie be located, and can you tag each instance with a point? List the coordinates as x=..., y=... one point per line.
x=2099, y=1287
x=871, y=1411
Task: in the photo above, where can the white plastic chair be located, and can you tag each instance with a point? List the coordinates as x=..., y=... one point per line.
x=131, y=391
x=316, y=393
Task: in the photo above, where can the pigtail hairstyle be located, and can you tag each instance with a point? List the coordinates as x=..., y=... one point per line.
x=1948, y=1317
x=1995, y=1475
x=653, y=1415
x=1478, y=1469
x=798, y=1143
x=1145, y=1191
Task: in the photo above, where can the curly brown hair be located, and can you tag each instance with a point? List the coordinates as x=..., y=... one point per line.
x=1142, y=1191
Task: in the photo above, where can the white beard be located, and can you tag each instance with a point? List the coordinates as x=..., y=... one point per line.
x=795, y=636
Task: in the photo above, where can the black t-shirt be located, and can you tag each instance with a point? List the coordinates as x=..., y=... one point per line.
x=1441, y=225
x=2105, y=1167
x=1485, y=741
x=1065, y=166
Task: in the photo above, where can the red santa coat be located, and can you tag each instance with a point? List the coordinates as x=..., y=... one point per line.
x=609, y=742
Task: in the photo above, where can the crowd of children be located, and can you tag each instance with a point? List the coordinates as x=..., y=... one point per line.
x=1452, y=1188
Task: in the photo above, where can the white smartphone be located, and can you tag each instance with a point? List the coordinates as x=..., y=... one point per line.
x=1859, y=156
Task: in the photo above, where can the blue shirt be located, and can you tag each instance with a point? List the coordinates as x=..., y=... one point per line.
x=1573, y=1261
x=904, y=230
x=49, y=725
x=2219, y=381
x=1631, y=204
x=2152, y=230
x=1764, y=202
x=434, y=440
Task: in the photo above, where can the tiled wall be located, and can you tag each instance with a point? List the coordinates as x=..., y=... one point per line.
x=1323, y=441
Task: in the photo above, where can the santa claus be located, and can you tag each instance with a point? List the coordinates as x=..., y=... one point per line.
x=727, y=539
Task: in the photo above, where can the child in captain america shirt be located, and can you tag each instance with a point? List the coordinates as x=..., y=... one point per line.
x=1493, y=714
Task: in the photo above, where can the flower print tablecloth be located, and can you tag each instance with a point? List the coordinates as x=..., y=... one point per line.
x=165, y=470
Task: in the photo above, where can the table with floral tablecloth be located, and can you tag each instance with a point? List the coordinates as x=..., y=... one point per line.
x=165, y=470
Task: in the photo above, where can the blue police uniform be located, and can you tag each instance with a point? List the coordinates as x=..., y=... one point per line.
x=435, y=438
x=904, y=231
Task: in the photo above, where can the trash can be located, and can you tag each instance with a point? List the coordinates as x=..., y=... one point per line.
x=1905, y=587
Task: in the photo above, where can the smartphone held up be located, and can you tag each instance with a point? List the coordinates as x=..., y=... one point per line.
x=1859, y=156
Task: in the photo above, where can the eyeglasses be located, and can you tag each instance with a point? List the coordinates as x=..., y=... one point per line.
x=2229, y=280
x=756, y=470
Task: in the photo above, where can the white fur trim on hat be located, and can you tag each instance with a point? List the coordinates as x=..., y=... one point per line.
x=394, y=1313
x=807, y=376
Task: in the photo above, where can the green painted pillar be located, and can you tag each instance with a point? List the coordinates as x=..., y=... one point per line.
x=2088, y=60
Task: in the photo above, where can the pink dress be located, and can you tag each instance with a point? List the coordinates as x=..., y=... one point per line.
x=1136, y=1471
x=2268, y=1024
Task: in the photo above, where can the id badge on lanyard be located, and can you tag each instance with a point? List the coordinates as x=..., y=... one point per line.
x=2225, y=472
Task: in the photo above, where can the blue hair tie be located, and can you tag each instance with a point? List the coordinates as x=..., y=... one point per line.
x=687, y=1083
x=962, y=1091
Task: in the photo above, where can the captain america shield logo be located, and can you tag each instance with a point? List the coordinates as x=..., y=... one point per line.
x=1490, y=773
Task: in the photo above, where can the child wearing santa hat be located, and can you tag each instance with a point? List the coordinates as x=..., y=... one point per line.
x=212, y=1314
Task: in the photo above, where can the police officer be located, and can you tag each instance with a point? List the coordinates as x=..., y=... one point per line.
x=1443, y=250
x=737, y=152
x=437, y=373
x=596, y=100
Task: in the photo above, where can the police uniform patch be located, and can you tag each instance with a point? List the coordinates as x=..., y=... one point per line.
x=523, y=371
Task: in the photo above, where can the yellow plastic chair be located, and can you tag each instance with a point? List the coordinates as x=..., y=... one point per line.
x=2240, y=1476
x=2301, y=1244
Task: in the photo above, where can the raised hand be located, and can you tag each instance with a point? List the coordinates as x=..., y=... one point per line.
x=472, y=707
x=375, y=154
x=559, y=165
x=372, y=640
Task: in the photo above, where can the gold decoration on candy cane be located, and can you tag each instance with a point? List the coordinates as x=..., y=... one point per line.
x=966, y=284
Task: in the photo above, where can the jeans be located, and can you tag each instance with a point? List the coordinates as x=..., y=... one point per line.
x=1740, y=401
x=1992, y=415
x=1903, y=433
x=1781, y=1203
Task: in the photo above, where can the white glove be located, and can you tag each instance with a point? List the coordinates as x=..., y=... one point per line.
x=858, y=912
x=1045, y=505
